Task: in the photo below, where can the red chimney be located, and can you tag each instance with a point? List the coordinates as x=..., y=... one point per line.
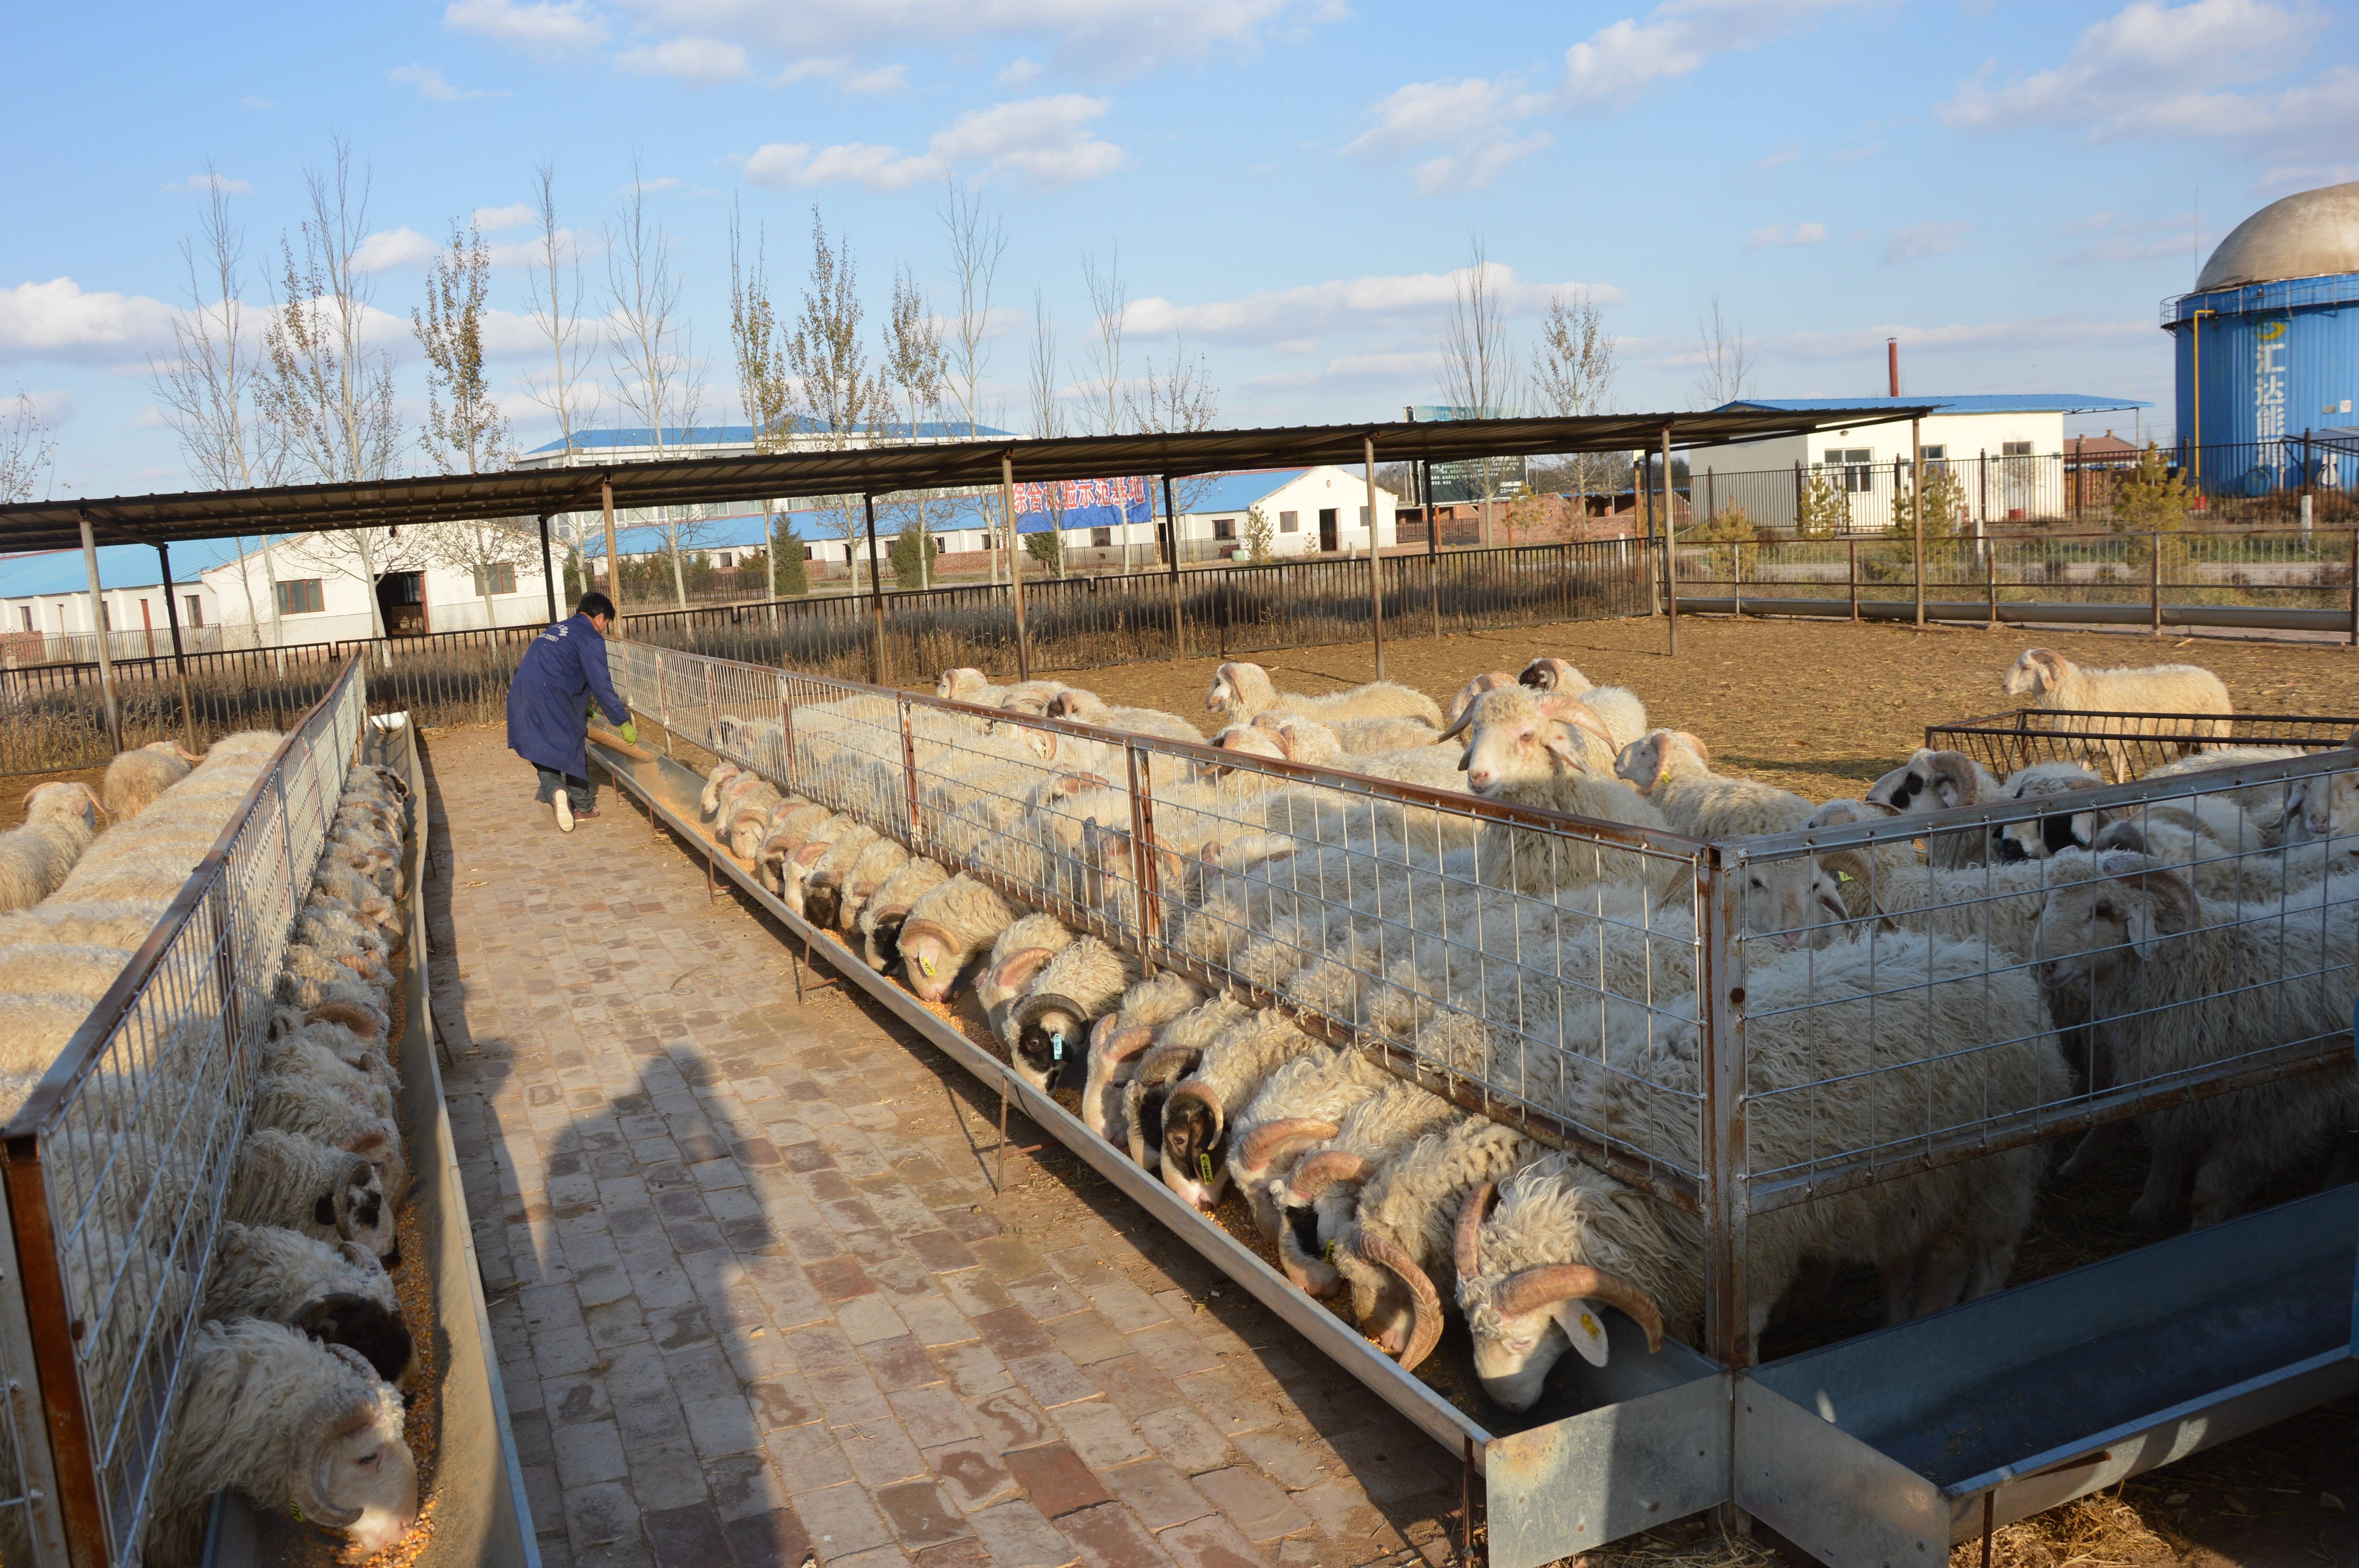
x=1892, y=362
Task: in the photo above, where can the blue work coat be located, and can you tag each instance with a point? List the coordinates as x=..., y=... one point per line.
x=548, y=712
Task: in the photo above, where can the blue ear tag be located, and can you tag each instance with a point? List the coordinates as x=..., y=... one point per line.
x=1056, y=1047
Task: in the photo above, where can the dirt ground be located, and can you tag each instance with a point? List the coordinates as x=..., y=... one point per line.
x=1821, y=707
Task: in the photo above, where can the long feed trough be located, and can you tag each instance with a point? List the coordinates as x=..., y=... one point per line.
x=1767, y=1058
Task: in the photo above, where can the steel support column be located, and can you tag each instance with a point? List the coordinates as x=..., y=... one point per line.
x=98, y=620
x=179, y=659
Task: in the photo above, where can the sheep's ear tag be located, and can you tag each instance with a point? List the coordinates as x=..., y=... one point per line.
x=1204, y=1166
x=925, y=966
x=1055, y=1047
x=1582, y=1325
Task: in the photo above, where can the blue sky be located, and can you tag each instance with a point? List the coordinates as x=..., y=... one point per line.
x=2009, y=187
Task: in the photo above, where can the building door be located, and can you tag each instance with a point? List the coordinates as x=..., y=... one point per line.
x=1327, y=529
x=401, y=600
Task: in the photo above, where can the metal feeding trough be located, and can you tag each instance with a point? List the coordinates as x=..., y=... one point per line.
x=1889, y=1448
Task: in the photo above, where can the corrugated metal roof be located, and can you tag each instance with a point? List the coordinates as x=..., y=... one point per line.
x=948, y=465
x=43, y=572
x=743, y=435
x=1972, y=402
x=1235, y=492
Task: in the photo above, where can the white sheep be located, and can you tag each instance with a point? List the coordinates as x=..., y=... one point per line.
x=1178, y=1046
x=285, y=1179
x=1934, y=781
x=134, y=779
x=335, y=1291
x=1122, y=1037
x=875, y=866
x=944, y=929
x=888, y=906
x=300, y=1103
x=2172, y=985
x=1240, y=691
x=1673, y=769
x=2054, y=683
x=1299, y=1105
x=1318, y=1195
x=1197, y=1115
x=36, y=855
x=822, y=889
x=1017, y=954
x=1088, y=707
x=1517, y=753
x=299, y=1427
x=1047, y=1029
x=1463, y=697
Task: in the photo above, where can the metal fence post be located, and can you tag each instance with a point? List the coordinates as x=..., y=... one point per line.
x=2154, y=583
x=1722, y=1066
x=1736, y=577
x=2354, y=589
x=1797, y=495
x=98, y=619
x=1671, y=546
x=1432, y=549
x=1178, y=622
x=786, y=733
x=179, y=659
x=875, y=590
x=1990, y=577
x=1851, y=548
x=1016, y=562
x=1917, y=517
x=910, y=770
x=1145, y=859
x=1375, y=557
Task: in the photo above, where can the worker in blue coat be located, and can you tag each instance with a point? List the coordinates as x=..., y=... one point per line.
x=548, y=712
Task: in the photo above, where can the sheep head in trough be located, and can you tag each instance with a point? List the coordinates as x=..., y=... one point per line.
x=357, y=1208
x=2105, y=913
x=354, y=1469
x=1049, y=1038
x=360, y=1323
x=1148, y=1092
x=1114, y=1057
x=1304, y=1255
x=715, y=782
x=1195, y=1145
x=930, y=959
x=2037, y=837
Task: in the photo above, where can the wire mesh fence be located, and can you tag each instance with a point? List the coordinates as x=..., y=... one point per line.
x=1829, y=1045
x=118, y=1161
x=2131, y=745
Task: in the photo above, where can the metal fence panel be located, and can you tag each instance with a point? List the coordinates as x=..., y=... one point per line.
x=118, y=1164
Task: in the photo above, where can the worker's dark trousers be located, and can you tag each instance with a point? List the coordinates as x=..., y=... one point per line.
x=581, y=792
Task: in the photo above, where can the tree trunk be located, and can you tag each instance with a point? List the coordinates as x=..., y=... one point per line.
x=368, y=583
x=679, y=581
x=770, y=553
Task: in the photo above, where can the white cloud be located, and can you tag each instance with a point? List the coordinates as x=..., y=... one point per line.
x=2115, y=241
x=544, y=27
x=1925, y=240
x=1855, y=154
x=649, y=187
x=1780, y=234
x=253, y=101
x=1386, y=372
x=2192, y=70
x=700, y=61
x=571, y=246
x=219, y=182
x=824, y=68
x=57, y=321
x=1049, y=140
x=496, y=219
x=1284, y=314
x=433, y=86
x=1784, y=155
x=1471, y=123
x=884, y=79
x=1018, y=72
x=391, y=250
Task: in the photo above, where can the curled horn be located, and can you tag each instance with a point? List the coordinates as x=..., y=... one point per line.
x=96, y=805
x=1572, y=710
x=1018, y=968
x=1955, y=769
x=1528, y=1290
x=1325, y=1169
x=335, y=1416
x=1167, y=1062
x=345, y=1013
x=1425, y=1303
x=1272, y=1141
x=1122, y=1045
x=1466, y=1242
x=1457, y=727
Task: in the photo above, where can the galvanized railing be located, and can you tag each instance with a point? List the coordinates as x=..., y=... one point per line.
x=118, y=1162
x=2130, y=744
x=1735, y=1028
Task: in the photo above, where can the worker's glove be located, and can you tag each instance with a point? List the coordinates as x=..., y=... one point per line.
x=629, y=732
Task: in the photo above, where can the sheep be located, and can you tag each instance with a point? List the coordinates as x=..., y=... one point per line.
x=2032, y=837
x=2273, y=808
x=338, y=1294
x=1887, y=1023
x=872, y=870
x=790, y=828
x=1240, y=691
x=298, y=1103
x=1941, y=780
x=286, y=1179
x=1316, y=1197
x=1047, y=1030
x=134, y=779
x=2054, y=683
x=1463, y=697
x=1366, y=736
x=745, y=819
x=1515, y=752
x=946, y=926
x=36, y=855
x=968, y=684
x=723, y=772
x=1395, y=1253
x=822, y=889
x=1298, y=1106
x=888, y=906
x=1017, y=954
x=2172, y=985
x=336, y=1057
x=1555, y=674
x=1178, y=1046
x=295, y=1425
x=1119, y=1038
x=1197, y=1116
x=1087, y=708
x=1673, y=769
x=795, y=869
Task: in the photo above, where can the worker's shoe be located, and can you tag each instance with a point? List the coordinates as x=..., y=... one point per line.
x=564, y=813
x=585, y=814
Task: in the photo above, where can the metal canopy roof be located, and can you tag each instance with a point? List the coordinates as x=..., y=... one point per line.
x=441, y=498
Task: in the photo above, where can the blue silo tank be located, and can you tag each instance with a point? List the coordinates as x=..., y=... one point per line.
x=2268, y=345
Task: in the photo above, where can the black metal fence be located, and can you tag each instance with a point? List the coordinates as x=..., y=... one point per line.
x=2135, y=743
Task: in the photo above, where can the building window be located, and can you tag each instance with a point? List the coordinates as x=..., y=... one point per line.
x=501, y=576
x=301, y=597
x=1289, y=521
x=1101, y=537
x=810, y=552
x=1363, y=517
x=726, y=560
x=1226, y=527
x=1853, y=467
x=2015, y=449
x=25, y=616
x=196, y=609
x=1933, y=454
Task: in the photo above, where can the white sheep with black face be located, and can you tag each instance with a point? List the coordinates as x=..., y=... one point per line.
x=335, y=1291
x=1934, y=781
x=2036, y=838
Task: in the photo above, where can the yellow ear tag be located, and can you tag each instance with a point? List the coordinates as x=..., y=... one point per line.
x=925, y=966
x=1327, y=1251
x=1204, y=1167
x=1580, y=1321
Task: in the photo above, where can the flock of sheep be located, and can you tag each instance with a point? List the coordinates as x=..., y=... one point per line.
x=291, y=1397
x=1993, y=970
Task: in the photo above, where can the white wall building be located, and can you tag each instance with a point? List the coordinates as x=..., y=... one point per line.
x=310, y=590
x=45, y=614
x=1316, y=511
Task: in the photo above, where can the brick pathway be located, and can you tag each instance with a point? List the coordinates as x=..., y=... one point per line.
x=755, y=1300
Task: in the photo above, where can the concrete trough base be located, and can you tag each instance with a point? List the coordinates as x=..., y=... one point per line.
x=480, y=1515
x=1890, y=1448
x=1646, y=1442
x=1978, y=612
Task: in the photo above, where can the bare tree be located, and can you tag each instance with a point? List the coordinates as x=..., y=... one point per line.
x=652, y=350
x=977, y=242
x=838, y=394
x=1046, y=384
x=555, y=275
x=26, y=449
x=914, y=371
x=761, y=383
x=1572, y=373
x=207, y=387
x=1177, y=396
x=1726, y=376
x=464, y=432
x=326, y=393
x=1478, y=363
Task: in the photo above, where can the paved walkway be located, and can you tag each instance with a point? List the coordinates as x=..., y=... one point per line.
x=756, y=1299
